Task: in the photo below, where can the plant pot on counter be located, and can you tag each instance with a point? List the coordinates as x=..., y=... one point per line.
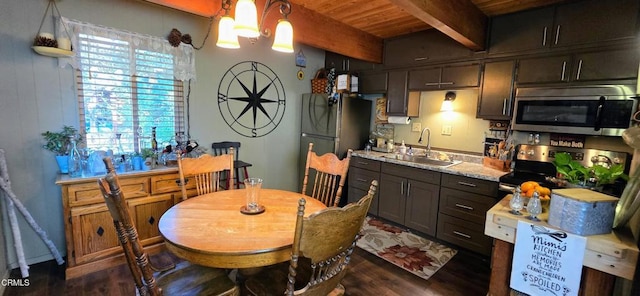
x=63, y=163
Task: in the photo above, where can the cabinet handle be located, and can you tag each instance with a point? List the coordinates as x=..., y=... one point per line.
x=431, y=83
x=464, y=207
x=557, y=35
x=348, y=65
x=579, y=70
x=564, y=67
x=362, y=180
x=504, y=106
x=402, y=188
x=462, y=234
x=544, y=36
x=363, y=163
x=447, y=83
x=408, y=189
x=388, y=100
x=420, y=59
x=467, y=184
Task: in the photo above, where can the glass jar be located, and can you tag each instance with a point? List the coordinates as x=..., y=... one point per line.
x=75, y=160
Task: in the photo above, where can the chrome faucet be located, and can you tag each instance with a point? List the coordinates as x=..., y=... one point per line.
x=428, y=139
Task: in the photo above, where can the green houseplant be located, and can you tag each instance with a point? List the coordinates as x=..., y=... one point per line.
x=59, y=143
x=575, y=173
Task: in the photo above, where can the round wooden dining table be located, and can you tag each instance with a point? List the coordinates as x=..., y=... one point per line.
x=210, y=230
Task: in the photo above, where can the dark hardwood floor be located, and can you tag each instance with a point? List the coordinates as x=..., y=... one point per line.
x=466, y=274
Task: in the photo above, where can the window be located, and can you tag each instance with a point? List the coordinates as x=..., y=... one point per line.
x=125, y=87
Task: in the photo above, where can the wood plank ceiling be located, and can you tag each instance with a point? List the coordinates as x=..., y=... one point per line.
x=357, y=28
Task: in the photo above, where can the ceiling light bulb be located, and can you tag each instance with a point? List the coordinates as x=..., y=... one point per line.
x=246, y=20
x=227, y=37
x=283, y=39
x=447, y=105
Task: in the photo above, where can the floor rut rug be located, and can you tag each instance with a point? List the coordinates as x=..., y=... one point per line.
x=396, y=245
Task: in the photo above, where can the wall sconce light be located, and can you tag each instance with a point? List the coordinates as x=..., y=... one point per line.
x=246, y=25
x=447, y=104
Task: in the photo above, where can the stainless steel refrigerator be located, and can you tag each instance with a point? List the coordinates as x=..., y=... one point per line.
x=333, y=126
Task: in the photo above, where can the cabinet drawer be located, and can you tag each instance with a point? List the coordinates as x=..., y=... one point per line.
x=168, y=183
x=89, y=193
x=464, y=234
x=367, y=164
x=472, y=185
x=412, y=173
x=360, y=178
x=468, y=206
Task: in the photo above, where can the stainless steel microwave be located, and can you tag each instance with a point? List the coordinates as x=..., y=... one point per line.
x=604, y=110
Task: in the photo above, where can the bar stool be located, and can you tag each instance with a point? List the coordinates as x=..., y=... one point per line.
x=220, y=148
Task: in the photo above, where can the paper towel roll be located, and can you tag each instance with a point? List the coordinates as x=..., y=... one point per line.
x=399, y=119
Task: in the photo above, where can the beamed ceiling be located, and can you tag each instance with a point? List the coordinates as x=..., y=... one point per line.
x=357, y=28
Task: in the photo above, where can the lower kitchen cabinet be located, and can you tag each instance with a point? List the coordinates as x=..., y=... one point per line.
x=409, y=196
x=463, y=205
x=92, y=242
x=361, y=172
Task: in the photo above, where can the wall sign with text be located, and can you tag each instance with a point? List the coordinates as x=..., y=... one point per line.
x=546, y=261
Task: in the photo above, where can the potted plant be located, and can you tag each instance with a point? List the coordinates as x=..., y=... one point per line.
x=596, y=176
x=59, y=143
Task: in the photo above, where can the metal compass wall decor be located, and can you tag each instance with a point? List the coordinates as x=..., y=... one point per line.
x=251, y=99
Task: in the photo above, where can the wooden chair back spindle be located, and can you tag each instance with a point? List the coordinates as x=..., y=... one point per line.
x=206, y=172
x=331, y=174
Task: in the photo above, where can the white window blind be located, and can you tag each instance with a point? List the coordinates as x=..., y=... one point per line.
x=124, y=90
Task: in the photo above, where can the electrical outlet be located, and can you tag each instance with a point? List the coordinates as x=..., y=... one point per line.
x=446, y=130
x=416, y=127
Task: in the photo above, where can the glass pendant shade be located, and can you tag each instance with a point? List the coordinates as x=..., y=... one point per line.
x=283, y=39
x=447, y=105
x=227, y=37
x=246, y=20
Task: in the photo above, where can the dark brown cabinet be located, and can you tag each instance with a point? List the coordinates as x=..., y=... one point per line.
x=372, y=82
x=578, y=23
x=449, y=77
x=496, y=94
x=422, y=48
x=346, y=64
x=463, y=205
x=587, y=66
x=361, y=172
x=399, y=101
x=409, y=196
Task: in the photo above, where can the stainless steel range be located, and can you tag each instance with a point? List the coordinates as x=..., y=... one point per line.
x=535, y=163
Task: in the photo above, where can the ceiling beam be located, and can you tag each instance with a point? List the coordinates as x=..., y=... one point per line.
x=310, y=28
x=459, y=19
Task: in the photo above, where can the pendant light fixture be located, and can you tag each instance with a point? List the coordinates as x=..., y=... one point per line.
x=227, y=37
x=246, y=24
x=447, y=104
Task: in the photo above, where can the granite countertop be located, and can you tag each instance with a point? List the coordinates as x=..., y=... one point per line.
x=471, y=166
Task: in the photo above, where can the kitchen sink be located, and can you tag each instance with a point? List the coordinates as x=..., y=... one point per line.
x=424, y=160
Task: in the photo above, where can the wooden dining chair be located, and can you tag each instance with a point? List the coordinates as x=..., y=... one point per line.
x=183, y=279
x=206, y=171
x=320, y=254
x=220, y=148
x=330, y=175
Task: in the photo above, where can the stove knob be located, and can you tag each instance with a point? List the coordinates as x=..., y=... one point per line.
x=531, y=153
x=617, y=160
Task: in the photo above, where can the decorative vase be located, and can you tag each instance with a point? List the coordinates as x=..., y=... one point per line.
x=63, y=163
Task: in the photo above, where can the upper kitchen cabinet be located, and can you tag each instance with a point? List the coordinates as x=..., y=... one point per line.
x=372, y=82
x=448, y=77
x=496, y=93
x=615, y=64
x=422, y=48
x=573, y=24
x=399, y=101
x=346, y=64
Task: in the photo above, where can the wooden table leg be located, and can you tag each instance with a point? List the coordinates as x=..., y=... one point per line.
x=500, y=268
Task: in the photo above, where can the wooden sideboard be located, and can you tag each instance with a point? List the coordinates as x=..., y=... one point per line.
x=606, y=256
x=92, y=243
